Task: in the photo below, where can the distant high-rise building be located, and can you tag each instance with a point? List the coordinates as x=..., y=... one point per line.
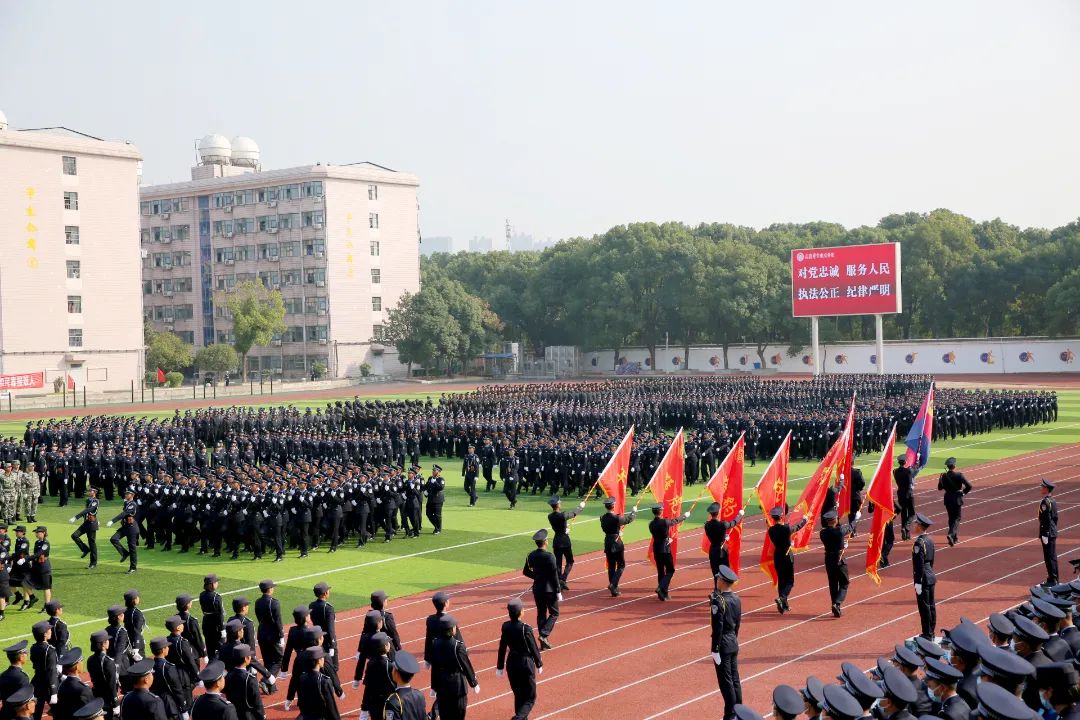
x=522, y=242
x=481, y=243
x=437, y=244
x=70, y=300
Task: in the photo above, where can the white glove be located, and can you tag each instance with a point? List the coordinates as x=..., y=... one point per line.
x=356, y=657
x=581, y=506
x=540, y=670
x=109, y=524
x=288, y=705
x=431, y=694
x=281, y=643
x=72, y=519
x=355, y=684
x=918, y=588
x=204, y=660
x=331, y=652
x=199, y=684
x=20, y=561
x=365, y=715
x=1045, y=539
x=52, y=700
x=716, y=658
x=427, y=665
x=686, y=514
x=272, y=680
x=559, y=597
x=498, y=673
x=137, y=655
x=476, y=689
x=222, y=636
x=858, y=515
x=185, y=716
x=341, y=696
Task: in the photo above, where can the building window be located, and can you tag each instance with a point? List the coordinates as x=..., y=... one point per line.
x=74, y=304
x=376, y=303
x=374, y=248
x=69, y=165
x=148, y=287
x=372, y=192
x=74, y=269
x=71, y=234
x=294, y=306
x=75, y=337
x=378, y=333
x=71, y=201
x=376, y=276
x=373, y=220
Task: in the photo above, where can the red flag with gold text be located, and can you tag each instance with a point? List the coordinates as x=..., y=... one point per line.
x=880, y=496
x=813, y=495
x=666, y=486
x=844, y=501
x=613, y=478
x=726, y=488
x=771, y=492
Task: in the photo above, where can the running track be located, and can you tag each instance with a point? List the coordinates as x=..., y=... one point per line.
x=633, y=657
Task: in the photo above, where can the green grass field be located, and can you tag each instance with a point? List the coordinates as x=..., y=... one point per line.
x=475, y=543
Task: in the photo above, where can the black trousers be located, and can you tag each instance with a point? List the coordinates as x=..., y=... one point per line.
x=717, y=557
x=510, y=490
x=130, y=533
x=564, y=560
x=470, y=488
x=271, y=654
x=616, y=565
x=488, y=480
x=665, y=570
x=887, y=544
x=523, y=685
x=837, y=572
x=927, y=611
x=1050, y=560
x=727, y=677
x=907, y=511
x=952, y=509
x=547, y=612
x=90, y=546
x=785, y=574
x=434, y=515
x=452, y=707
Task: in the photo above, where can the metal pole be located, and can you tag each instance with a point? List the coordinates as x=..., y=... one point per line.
x=816, y=354
x=65, y=392
x=151, y=393
x=880, y=334
x=132, y=392
x=84, y=396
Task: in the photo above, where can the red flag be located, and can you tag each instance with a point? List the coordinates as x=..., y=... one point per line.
x=726, y=488
x=160, y=376
x=813, y=495
x=70, y=382
x=666, y=486
x=613, y=478
x=880, y=496
x=772, y=492
x=844, y=501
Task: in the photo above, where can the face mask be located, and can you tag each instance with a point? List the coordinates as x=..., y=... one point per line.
x=1045, y=702
x=933, y=695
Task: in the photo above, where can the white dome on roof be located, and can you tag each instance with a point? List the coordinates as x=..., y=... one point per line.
x=215, y=148
x=3, y=120
x=245, y=152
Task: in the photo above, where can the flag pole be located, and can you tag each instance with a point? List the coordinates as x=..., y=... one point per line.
x=638, y=503
x=614, y=455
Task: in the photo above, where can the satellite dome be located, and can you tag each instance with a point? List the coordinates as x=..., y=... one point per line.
x=3, y=120
x=245, y=152
x=215, y=149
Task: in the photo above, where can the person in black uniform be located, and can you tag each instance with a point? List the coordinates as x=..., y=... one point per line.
x=726, y=618
x=941, y=682
x=103, y=673
x=863, y=689
x=564, y=549
x=89, y=528
x=405, y=702
x=60, y=636
x=1059, y=687
x=956, y=486
x=783, y=560
x=134, y=623
x=271, y=633
x=14, y=678
x=452, y=672
x=834, y=539
x=717, y=531
x=212, y=704
x=213, y=619
x=5, y=571
x=43, y=658
x=140, y=702
x=520, y=657
x=787, y=703
x=909, y=663
x=168, y=683
x=905, y=497
x=182, y=656
x=128, y=530
x=835, y=702
x=323, y=615
x=1048, y=519
x=511, y=465
x=434, y=488
x=72, y=693
x=614, y=552
x=660, y=529
x=899, y=693
x=541, y=568
x=922, y=572
x=40, y=576
x=315, y=689
x=17, y=705
x=470, y=470
x=241, y=687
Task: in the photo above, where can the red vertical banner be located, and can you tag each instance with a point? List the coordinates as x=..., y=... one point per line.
x=880, y=495
x=613, y=478
x=844, y=501
x=726, y=488
x=772, y=492
x=666, y=486
x=813, y=495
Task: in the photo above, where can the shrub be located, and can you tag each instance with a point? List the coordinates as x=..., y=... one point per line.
x=174, y=379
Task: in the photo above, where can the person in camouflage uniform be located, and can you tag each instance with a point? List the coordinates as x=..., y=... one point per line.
x=9, y=492
x=29, y=488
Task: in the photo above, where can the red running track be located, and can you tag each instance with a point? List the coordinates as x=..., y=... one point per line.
x=635, y=657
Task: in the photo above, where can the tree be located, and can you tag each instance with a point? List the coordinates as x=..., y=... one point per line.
x=167, y=351
x=216, y=358
x=257, y=314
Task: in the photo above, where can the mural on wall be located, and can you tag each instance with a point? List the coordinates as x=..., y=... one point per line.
x=873, y=359
x=676, y=361
x=987, y=357
x=1026, y=357
x=743, y=360
x=949, y=358
x=1067, y=356
x=840, y=359
x=910, y=358
x=630, y=368
x=714, y=361
x=777, y=360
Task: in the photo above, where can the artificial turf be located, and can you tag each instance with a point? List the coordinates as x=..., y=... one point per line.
x=476, y=542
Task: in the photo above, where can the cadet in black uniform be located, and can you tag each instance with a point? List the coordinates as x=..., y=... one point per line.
x=452, y=672
x=783, y=560
x=956, y=486
x=44, y=659
x=834, y=539
x=315, y=690
x=1048, y=519
x=128, y=530
x=103, y=673
x=213, y=619
x=521, y=659
x=433, y=490
x=168, y=683
x=717, y=531
x=922, y=572
x=614, y=552
x=212, y=704
x=89, y=528
x=661, y=546
x=140, y=702
x=271, y=632
x=405, y=702
x=323, y=615
x=470, y=470
x=941, y=682
x=564, y=549
x=905, y=497
x=726, y=609
x=899, y=694
x=540, y=567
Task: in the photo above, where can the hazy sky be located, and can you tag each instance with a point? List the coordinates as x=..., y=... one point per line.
x=571, y=117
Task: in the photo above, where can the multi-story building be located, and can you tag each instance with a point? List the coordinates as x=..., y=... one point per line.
x=70, y=299
x=481, y=243
x=340, y=242
x=437, y=244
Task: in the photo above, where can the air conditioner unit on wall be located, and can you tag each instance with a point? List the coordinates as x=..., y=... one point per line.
x=164, y=216
x=272, y=203
x=227, y=208
x=272, y=231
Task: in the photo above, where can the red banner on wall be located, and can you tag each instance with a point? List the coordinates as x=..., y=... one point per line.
x=22, y=380
x=852, y=280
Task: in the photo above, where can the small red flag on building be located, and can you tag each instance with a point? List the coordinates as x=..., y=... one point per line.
x=880, y=496
x=613, y=478
x=772, y=492
x=666, y=486
x=160, y=376
x=70, y=382
x=726, y=488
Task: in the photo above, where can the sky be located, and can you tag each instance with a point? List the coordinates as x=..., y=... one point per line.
x=568, y=118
